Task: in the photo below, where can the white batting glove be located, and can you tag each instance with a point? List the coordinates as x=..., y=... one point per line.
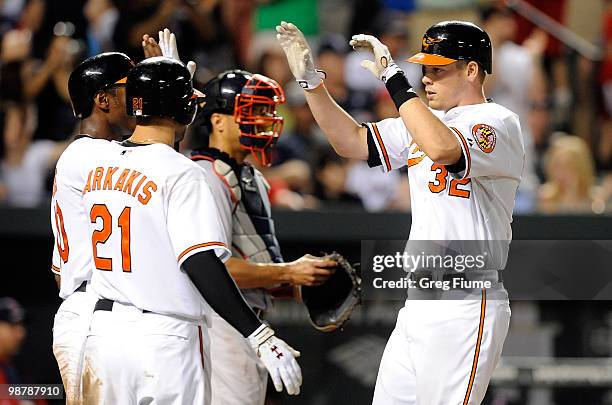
x=299, y=56
x=167, y=43
x=279, y=359
x=383, y=66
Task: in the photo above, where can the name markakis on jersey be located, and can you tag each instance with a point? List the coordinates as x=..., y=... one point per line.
x=125, y=180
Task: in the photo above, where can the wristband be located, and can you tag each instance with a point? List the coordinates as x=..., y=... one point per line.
x=260, y=335
x=399, y=89
x=313, y=81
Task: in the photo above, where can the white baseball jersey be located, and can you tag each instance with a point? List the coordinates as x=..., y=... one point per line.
x=474, y=204
x=149, y=209
x=462, y=330
x=72, y=249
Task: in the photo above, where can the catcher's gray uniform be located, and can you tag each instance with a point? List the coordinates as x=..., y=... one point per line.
x=240, y=192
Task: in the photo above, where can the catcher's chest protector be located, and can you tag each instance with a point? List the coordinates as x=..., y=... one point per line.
x=253, y=234
x=253, y=227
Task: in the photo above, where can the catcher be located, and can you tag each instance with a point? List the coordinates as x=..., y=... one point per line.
x=240, y=118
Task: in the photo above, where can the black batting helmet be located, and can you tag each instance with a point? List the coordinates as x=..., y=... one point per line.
x=93, y=75
x=221, y=93
x=161, y=87
x=450, y=41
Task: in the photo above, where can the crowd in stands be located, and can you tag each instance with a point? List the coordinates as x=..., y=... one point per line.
x=563, y=99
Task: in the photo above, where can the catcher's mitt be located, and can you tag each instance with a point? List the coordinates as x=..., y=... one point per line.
x=331, y=304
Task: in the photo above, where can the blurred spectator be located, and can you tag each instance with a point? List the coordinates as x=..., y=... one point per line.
x=26, y=79
x=603, y=195
x=49, y=88
x=523, y=96
x=299, y=143
x=391, y=29
x=570, y=177
x=556, y=61
x=198, y=25
x=12, y=334
x=139, y=17
x=26, y=165
x=378, y=191
x=330, y=179
x=269, y=60
x=102, y=17
x=204, y=36
x=604, y=147
x=331, y=58
x=10, y=10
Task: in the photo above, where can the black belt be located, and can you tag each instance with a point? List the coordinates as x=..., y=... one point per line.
x=82, y=287
x=104, y=304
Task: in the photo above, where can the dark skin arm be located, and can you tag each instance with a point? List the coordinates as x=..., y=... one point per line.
x=200, y=16
x=150, y=47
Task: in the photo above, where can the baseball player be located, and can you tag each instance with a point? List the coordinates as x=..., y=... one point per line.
x=240, y=119
x=465, y=158
x=97, y=92
x=157, y=248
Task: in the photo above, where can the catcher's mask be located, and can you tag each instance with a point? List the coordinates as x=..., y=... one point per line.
x=255, y=113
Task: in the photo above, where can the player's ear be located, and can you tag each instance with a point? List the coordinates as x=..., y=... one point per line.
x=217, y=122
x=472, y=71
x=101, y=100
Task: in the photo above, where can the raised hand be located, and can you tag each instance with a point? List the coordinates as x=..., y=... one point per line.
x=169, y=49
x=299, y=56
x=383, y=66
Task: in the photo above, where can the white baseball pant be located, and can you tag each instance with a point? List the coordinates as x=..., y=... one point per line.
x=238, y=377
x=69, y=333
x=141, y=358
x=443, y=352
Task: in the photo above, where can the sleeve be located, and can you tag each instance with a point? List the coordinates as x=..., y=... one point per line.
x=194, y=224
x=491, y=147
x=388, y=144
x=223, y=200
x=55, y=260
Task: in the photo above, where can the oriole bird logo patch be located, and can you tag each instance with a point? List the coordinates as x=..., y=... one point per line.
x=428, y=41
x=485, y=137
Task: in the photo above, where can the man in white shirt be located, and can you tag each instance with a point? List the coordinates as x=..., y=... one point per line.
x=465, y=158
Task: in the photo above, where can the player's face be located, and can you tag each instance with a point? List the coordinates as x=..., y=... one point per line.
x=444, y=85
x=118, y=116
x=231, y=132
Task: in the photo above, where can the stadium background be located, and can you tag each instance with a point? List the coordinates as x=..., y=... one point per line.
x=559, y=81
